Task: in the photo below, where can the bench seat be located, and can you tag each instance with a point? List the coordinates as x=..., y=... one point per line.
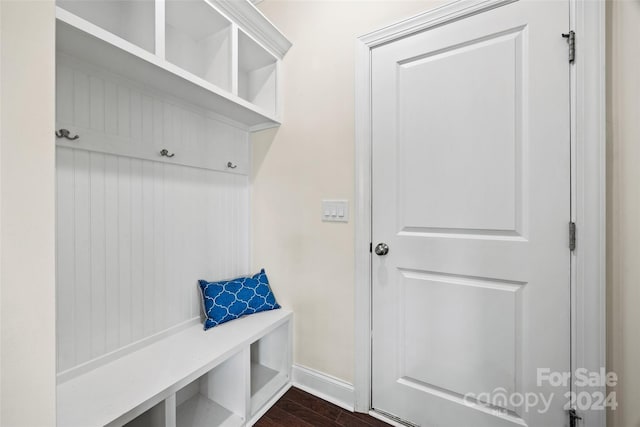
x=119, y=391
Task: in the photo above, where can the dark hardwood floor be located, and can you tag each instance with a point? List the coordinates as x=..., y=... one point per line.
x=301, y=409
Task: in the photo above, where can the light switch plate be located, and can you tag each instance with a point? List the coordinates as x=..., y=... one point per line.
x=335, y=210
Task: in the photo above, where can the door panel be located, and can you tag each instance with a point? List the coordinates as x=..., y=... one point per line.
x=471, y=192
x=477, y=158
x=479, y=342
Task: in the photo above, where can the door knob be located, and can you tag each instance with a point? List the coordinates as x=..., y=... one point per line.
x=382, y=249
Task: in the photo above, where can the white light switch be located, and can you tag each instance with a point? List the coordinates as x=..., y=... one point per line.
x=335, y=210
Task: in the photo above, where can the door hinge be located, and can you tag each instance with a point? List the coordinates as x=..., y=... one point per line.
x=572, y=236
x=573, y=417
x=571, y=39
x=370, y=247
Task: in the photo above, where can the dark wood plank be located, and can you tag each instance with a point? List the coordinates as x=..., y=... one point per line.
x=265, y=421
x=308, y=400
x=370, y=420
x=305, y=414
x=347, y=419
x=298, y=408
x=283, y=418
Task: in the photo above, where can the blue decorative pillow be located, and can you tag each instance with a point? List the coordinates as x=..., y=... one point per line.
x=230, y=299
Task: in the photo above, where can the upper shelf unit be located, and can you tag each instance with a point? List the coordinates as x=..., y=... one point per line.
x=220, y=55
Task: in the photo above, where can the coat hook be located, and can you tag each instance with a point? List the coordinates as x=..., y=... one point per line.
x=166, y=153
x=64, y=133
x=231, y=165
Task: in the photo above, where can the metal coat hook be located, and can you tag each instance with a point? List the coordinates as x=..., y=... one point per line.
x=166, y=153
x=231, y=165
x=64, y=133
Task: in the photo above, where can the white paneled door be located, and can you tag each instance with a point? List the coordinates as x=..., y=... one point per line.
x=471, y=195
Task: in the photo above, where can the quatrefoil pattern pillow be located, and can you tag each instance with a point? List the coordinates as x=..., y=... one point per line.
x=231, y=299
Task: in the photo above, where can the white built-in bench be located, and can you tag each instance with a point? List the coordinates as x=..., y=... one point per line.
x=227, y=376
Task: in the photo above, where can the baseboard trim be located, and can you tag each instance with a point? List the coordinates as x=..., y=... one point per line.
x=324, y=386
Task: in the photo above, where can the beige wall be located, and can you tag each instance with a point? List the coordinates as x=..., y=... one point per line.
x=623, y=207
x=311, y=157
x=27, y=273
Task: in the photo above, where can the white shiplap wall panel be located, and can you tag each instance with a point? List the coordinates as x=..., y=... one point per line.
x=98, y=255
x=82, y=234
x=134, y=236
x=65, y=256
x=112, y=258
x=134, y=231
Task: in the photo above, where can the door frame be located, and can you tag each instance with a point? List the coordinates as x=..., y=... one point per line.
x=588, y=200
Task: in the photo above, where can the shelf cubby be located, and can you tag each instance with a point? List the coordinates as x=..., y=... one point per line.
x=198, y=39
x=270, y=362
x=156, y=416
x=131, y=20
x=216, y=399
x=210, y=53
x=187, y=377
x=257, y=74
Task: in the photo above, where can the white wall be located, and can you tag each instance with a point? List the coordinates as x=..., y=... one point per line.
x=311, y=157
x=27, y=274
x=623, y=207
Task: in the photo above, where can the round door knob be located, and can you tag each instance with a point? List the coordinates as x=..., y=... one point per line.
x=382, y=249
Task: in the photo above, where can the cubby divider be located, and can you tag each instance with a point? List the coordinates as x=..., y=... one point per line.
x=218, y=398
x=270, y=364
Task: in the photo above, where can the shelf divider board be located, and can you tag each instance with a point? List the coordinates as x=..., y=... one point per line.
x=160, y=30
x=234, y=59
x=170, y=410
x=247, y=381
x=270, y=365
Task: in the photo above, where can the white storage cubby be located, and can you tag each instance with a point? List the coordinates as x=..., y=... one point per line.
x=218, y=398
x=200, y=51
x=198, y=39
x=131, y=20
x=224, y=377
x=257, y=74
x=270, y=364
